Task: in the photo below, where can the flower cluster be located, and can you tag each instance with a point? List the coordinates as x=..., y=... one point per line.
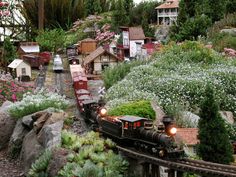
x=12, y=91
x=33, y=102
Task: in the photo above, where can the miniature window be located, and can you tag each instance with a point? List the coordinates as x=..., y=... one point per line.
x=126, y=125
x=138, y=124
x=23, y=71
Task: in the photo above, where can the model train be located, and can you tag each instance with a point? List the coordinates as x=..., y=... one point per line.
x=129, y=130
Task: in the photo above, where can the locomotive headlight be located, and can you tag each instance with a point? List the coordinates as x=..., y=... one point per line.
x=171, y=130
x=103, y=112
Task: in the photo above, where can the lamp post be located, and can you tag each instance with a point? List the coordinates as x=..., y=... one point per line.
x=40, y=14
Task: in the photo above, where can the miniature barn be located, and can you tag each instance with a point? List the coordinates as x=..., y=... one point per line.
x=98, y=60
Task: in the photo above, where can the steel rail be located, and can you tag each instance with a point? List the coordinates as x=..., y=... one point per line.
x=185, y=165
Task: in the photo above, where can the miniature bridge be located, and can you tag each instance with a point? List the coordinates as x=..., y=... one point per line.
x=176, y=168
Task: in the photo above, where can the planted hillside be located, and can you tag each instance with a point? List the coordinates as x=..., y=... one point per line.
x=178, y=76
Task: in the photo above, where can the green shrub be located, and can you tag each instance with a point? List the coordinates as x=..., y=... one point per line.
x=117, y=73
x=51, y=40
x=223, y=40
x=137, y=108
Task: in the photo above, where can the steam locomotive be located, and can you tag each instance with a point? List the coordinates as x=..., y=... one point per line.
x=128, y=130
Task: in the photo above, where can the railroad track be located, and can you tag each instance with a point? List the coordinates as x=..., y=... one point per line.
x=185, y=165
x=59, y=85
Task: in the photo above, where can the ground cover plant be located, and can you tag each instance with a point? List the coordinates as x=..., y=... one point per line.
x=178, y=76
x=92, y=156
x=34, y=102
x=12, y=91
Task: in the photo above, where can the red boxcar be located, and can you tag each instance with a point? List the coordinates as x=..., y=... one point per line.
x=80, y=82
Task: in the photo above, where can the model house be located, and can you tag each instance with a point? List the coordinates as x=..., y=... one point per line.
x=130, y=42
x=20, y=68
x=26, y=48
x=167, y=12
x=98, y=60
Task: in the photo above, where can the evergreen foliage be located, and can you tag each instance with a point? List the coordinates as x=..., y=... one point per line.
x=119, y=16
x=138, y=108
x=9, y=51
x=231, y=6
x=214, y=141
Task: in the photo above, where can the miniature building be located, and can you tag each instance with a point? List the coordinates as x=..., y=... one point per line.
x=98, y=60
x=167, y=12
x=28, y=48
x=87, y=46
x=133, y=39
x=20, y=68
x=188, y=138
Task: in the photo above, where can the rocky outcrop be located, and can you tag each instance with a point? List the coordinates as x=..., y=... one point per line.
x=57, y=162
x=7, y=124
x=31, y=150
x=16, y=140
x=45, y=133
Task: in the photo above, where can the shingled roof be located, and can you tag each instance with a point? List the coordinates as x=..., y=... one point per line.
x=187, y=136
x=99, y=51
x=136, y=33
x=169, y=4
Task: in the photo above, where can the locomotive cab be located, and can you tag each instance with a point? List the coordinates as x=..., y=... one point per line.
x=130, y=124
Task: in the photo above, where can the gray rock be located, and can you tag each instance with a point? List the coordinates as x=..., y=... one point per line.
x=7, y=125
x=227, y=116
x=28, y=121
x=50, y=135
x=231, y=31
x=16, y=139
x=57, y=162
x=5, y=106
x=190, y=118
x=31, y=150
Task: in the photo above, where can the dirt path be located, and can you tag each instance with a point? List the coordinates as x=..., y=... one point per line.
x=10, y=167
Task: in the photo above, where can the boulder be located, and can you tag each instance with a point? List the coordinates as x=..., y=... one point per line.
x=55, y=117
x=230, y=31
x=5, y=106
x=159, y=113
x=31, y=150
x=50, y=135
x=7, y=125
x=227, y=116
x=17, y=138
x=190, y=118
x=58, y=160
x=28, y=121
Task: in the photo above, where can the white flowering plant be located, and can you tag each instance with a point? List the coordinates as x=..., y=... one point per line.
x=40, y=100
x=178, y=76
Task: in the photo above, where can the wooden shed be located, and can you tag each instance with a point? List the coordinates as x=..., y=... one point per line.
x=98, y=60
x=20, y=68
x=28, y=48
x=87, y=46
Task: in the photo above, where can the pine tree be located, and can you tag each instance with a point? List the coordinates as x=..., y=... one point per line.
x=97, y=6
x=89, y=7
x=9, y=52
x=119, y=17
x=214, y=141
